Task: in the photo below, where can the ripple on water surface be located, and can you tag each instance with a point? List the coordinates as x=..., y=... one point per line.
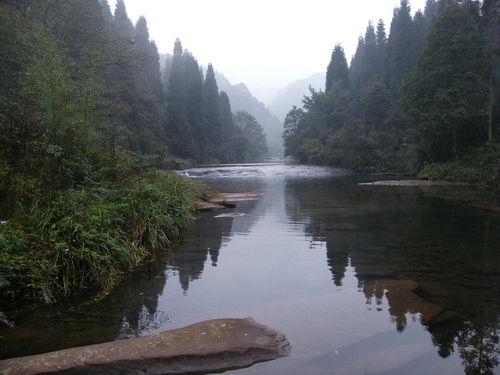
x=267, y=170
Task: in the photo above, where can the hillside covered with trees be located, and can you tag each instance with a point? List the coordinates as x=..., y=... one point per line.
x=87, y=124
x=421, y=98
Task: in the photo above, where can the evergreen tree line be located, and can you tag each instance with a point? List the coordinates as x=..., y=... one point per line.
x=82, y=99
x=201, y=116
x=426, y=93
x=86, y=121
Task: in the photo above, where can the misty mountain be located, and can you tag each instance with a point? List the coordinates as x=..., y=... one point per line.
x=242, y=100
x=293, y=94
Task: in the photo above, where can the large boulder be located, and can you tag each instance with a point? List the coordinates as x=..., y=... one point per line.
x=206, y=347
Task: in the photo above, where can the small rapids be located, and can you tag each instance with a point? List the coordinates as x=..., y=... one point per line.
x=263, y=170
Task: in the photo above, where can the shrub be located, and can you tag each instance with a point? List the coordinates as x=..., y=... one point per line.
x=84, y=240
x=481, y=166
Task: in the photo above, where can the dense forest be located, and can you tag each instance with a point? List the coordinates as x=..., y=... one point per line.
x=423, y=99
x=242, y=99
x=88, y=119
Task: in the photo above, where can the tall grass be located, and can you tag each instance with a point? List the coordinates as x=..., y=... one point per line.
x=84, y=240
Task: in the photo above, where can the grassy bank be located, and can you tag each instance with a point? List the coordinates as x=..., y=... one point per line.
x=481, y=166
x=84, y=240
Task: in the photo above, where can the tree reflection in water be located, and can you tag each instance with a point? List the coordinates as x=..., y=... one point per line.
x=430, y=259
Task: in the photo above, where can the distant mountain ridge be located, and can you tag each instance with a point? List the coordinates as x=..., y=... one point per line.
x=243, y=100
x=293, y=93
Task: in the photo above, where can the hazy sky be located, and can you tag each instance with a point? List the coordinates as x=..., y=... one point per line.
x=266, y=44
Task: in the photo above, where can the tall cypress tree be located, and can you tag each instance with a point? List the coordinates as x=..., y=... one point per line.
x=123, y=26
x=149, y=58
x=228, y=128
x=355, y=70
x=337, y=71
x=369, y=69
x=148, y=93
x=365, y=68
x=419, y=33
x=167, y=68
x=400, y=53
x=106, y=12
x=213, y=113
x=179, y=130
x=431, y=10
x=195, y=105
x=381, y=47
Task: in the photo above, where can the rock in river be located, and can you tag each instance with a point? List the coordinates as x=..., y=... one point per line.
x=206, y=347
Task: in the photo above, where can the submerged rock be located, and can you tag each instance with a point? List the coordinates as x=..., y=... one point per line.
x=229, y=216
x=226, y=200
x=206, y=347
x=236, y=197
x=410, y=183
x=402, y=299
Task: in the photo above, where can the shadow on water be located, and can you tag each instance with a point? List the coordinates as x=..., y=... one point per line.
x=362, y=280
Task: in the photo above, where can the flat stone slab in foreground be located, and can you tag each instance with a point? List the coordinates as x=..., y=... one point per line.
x=207, y=347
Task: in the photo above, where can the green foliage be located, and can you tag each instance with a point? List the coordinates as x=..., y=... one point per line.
x=401, y=49
x=419, y=96
x=249, y=140
x=446, y=96
x=85, y=239
x=480, y=166
x=198, y=114
x=337, y=71
x=82, y=124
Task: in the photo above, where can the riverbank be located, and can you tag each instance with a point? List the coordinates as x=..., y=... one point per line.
x=82, y=243
x=480, y=167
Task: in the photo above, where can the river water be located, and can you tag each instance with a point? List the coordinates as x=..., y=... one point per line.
x=362, y=280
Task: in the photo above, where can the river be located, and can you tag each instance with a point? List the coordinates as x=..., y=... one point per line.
x=361, y=279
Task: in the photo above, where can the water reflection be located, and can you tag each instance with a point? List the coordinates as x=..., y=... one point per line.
x=362, y=280
x=441, y=259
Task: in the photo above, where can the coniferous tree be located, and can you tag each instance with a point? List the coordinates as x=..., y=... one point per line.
x=356, y=67
x=381, y=47
x=367, y=128
x=106, y=12
x=419, y=33
x=149, y=60
x=370, y=56
x=431, y=10
x=228, y=128
x=212, y=111
x=195, y=105
x=491, y=25
x=147, y=91
x=122, y=24
x=400, y=50
x=337, y=71
x=447, y=96
x=365, y=68
x=179, y=130
x=167, y=68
